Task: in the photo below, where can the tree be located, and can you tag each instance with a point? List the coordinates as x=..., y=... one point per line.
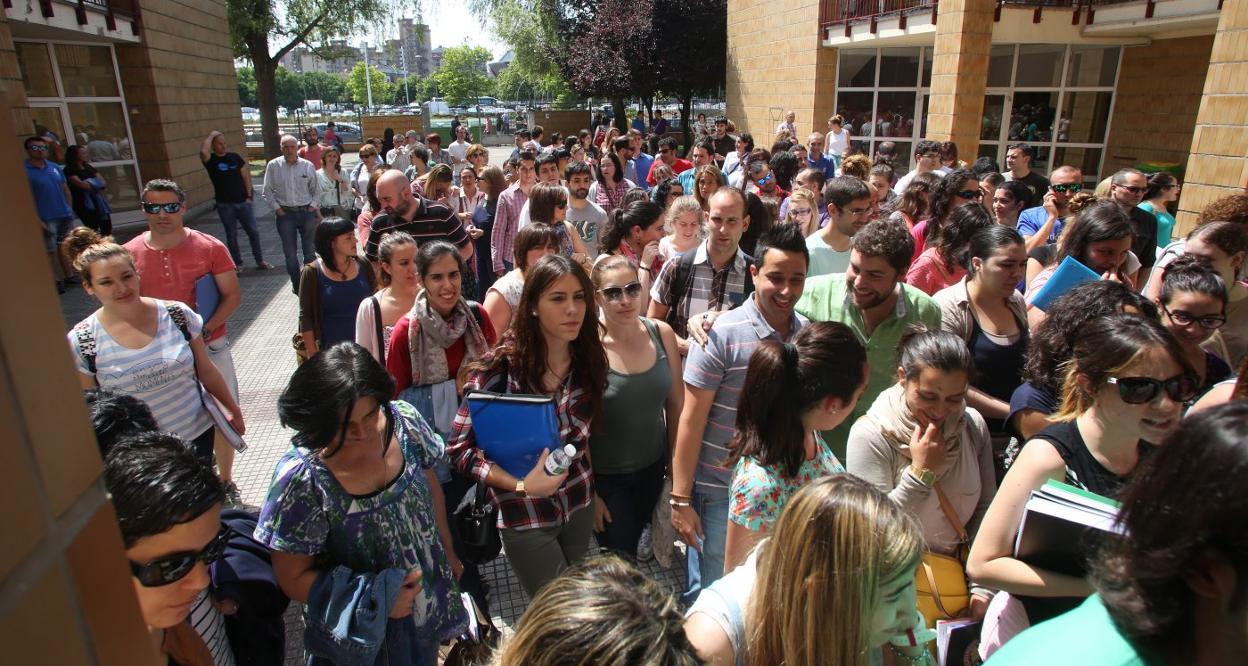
x=690, y=31
x=288, y=88
x=534, y=32
x=324, y=86
x=462, y=78
x=610, y=57
x=357, y=86
x=246, y=86
x=309, y=22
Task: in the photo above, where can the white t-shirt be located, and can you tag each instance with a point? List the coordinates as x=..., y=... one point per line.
x=510, y=286
x=837, y=143
x=161, y=374
x=726, y=600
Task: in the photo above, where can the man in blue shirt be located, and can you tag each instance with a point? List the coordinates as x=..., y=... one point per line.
x=703, y=155
x=51, y=195
x=641, y=161
x=1042, y=224
x=816, y=158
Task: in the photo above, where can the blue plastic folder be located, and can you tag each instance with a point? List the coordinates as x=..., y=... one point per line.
x=1069, y=274
x=513, y=428
x=207, y=296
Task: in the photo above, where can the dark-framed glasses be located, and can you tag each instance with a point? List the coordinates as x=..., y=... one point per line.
x=154, y=208
x=1209, y=322
x=1067, y=188
x=1142, y=390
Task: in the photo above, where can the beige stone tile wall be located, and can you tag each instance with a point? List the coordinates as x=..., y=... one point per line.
x=960, y=72
x=11, y=79
x=179, y=84
x=1156, y=101
x=776, y=64
x=1217, y=166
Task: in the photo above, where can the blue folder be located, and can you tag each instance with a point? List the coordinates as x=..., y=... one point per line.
x=1069, y=274
x=513, y=428
x=207, y=296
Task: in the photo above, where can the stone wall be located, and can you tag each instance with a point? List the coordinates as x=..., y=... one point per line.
x=776, y=64
x=1217, y=166
x=1155, y=104
x=11, y=81
x=179, y=84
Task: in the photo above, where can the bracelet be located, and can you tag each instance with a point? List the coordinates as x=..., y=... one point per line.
x=911, y=660
x=679, y=504
x=680, y=496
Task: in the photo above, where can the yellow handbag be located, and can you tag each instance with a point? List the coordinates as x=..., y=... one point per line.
x=940, y=582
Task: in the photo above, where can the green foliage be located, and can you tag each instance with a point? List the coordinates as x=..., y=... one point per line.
x=289, y=88
x=357, y=86
x=330, y=88
x=246, y=86
x=462, y=78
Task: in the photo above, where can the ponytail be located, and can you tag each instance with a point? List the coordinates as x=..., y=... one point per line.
x=640, y=214
x=84, y=246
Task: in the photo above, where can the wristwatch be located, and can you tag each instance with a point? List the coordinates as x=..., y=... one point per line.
x=520, y=492
x=923, y=475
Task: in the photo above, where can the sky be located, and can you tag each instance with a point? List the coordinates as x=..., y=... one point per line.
x=450, y=24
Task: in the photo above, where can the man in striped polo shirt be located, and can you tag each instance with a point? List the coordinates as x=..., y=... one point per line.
x=426, y=220
x=713, y=376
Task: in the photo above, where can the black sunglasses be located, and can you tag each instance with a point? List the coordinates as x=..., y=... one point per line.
x=154, y=208
x=1142, y=390
x=173, y=568
x=613, y=294
x=971, y=194
x=1210, y=322
x=1072, y=188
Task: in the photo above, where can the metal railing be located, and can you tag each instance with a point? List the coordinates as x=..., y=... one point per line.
x=835, y=13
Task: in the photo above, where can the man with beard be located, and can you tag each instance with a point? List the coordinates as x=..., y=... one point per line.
x=871, y=298
x=424, y=219
x=587, y=216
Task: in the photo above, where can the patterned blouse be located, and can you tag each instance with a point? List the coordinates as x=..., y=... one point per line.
x=759, y=492
x=307, y=512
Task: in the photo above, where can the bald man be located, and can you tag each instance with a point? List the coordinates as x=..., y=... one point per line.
x=426, y=220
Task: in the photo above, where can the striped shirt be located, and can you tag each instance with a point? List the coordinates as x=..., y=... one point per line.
x=720, y=367
x=161, y=373
x=506, y=225
x=208, y=622
x=431, y=221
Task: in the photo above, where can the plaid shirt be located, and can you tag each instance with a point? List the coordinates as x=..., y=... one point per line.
x=521, y=513
x=709, y=289
x=506, y=224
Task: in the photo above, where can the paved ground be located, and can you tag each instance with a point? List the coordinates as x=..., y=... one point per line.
x=260, y=332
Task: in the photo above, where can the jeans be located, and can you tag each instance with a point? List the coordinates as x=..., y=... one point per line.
x=232, y=215
x=300, y=223
x=708, y=566
x=55, y=231
x=630, y=498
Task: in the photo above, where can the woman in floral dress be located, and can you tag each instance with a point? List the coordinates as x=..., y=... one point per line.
x=357, y=490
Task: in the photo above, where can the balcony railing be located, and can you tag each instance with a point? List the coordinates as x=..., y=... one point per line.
x=836, y=13
x=127, y=9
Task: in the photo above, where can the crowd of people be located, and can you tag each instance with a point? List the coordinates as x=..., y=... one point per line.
x=816, y=374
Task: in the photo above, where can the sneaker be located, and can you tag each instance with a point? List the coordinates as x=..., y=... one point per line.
x=232, y=496
x=264, y=265
x=645, y=547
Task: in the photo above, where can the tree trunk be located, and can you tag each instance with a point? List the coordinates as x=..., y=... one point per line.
x=621, y=115
x=686, y=107
x=266, y=94
x=647, y=101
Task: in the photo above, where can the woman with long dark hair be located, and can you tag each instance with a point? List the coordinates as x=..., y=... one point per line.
x=812, y=384
x=400, y=282
x=1193, y=306
x=915, y=201
x=943, y=262
x=1163, y=189
x=357, y=490
x=1099, y=238
x=86, y=189
x=501, y=300
x=634, y=232
x=552, y=349
x=956, y=189
x=332, y=286
x=492, y=183
x=608, y=191
x=1124, y=391
x=549, y=204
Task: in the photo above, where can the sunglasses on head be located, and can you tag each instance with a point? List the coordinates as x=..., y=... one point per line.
x=173, y=568
x=1142, y=390
x=1210, y=322
x=1073, y=188
x=613, y=294
x=154, y=208
x=971, y=194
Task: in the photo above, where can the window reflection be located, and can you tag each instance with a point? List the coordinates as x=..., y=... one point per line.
x=86, y=71
x=1085, y=117
x=1039, y=66
x=857, y=69
x=899, y=68
x=36, y=69
x=101, y=127
x=1092, y=66
x=1032, y=117
x=895, y=114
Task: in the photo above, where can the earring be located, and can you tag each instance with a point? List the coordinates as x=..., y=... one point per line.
x=533, y=313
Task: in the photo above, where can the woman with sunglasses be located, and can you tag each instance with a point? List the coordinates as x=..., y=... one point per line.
x=631, y=443
x=150, y=349
x=357, y=490
x=1124, y=391
x=956, y=189
x=1193, y=306
x=669, y=188
x=944, y=262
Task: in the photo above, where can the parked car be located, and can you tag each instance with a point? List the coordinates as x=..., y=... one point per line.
x=348, y=132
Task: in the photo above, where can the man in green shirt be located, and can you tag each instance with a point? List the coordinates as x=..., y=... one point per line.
x=871, y=298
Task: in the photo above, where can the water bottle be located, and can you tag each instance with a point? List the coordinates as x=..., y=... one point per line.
x=560, y=460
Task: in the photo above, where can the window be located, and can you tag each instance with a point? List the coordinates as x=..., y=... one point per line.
x=879, y=95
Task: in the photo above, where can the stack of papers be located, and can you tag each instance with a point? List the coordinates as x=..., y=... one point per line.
x=1061, y=526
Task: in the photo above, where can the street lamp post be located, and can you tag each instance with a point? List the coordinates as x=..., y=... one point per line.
x=368, y=78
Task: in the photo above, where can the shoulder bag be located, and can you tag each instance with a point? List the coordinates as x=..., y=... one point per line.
x=940, y=582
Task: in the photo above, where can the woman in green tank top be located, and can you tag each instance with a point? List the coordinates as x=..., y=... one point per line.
x=630, y=448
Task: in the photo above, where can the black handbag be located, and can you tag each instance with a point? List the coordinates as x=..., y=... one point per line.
x=476, y=520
